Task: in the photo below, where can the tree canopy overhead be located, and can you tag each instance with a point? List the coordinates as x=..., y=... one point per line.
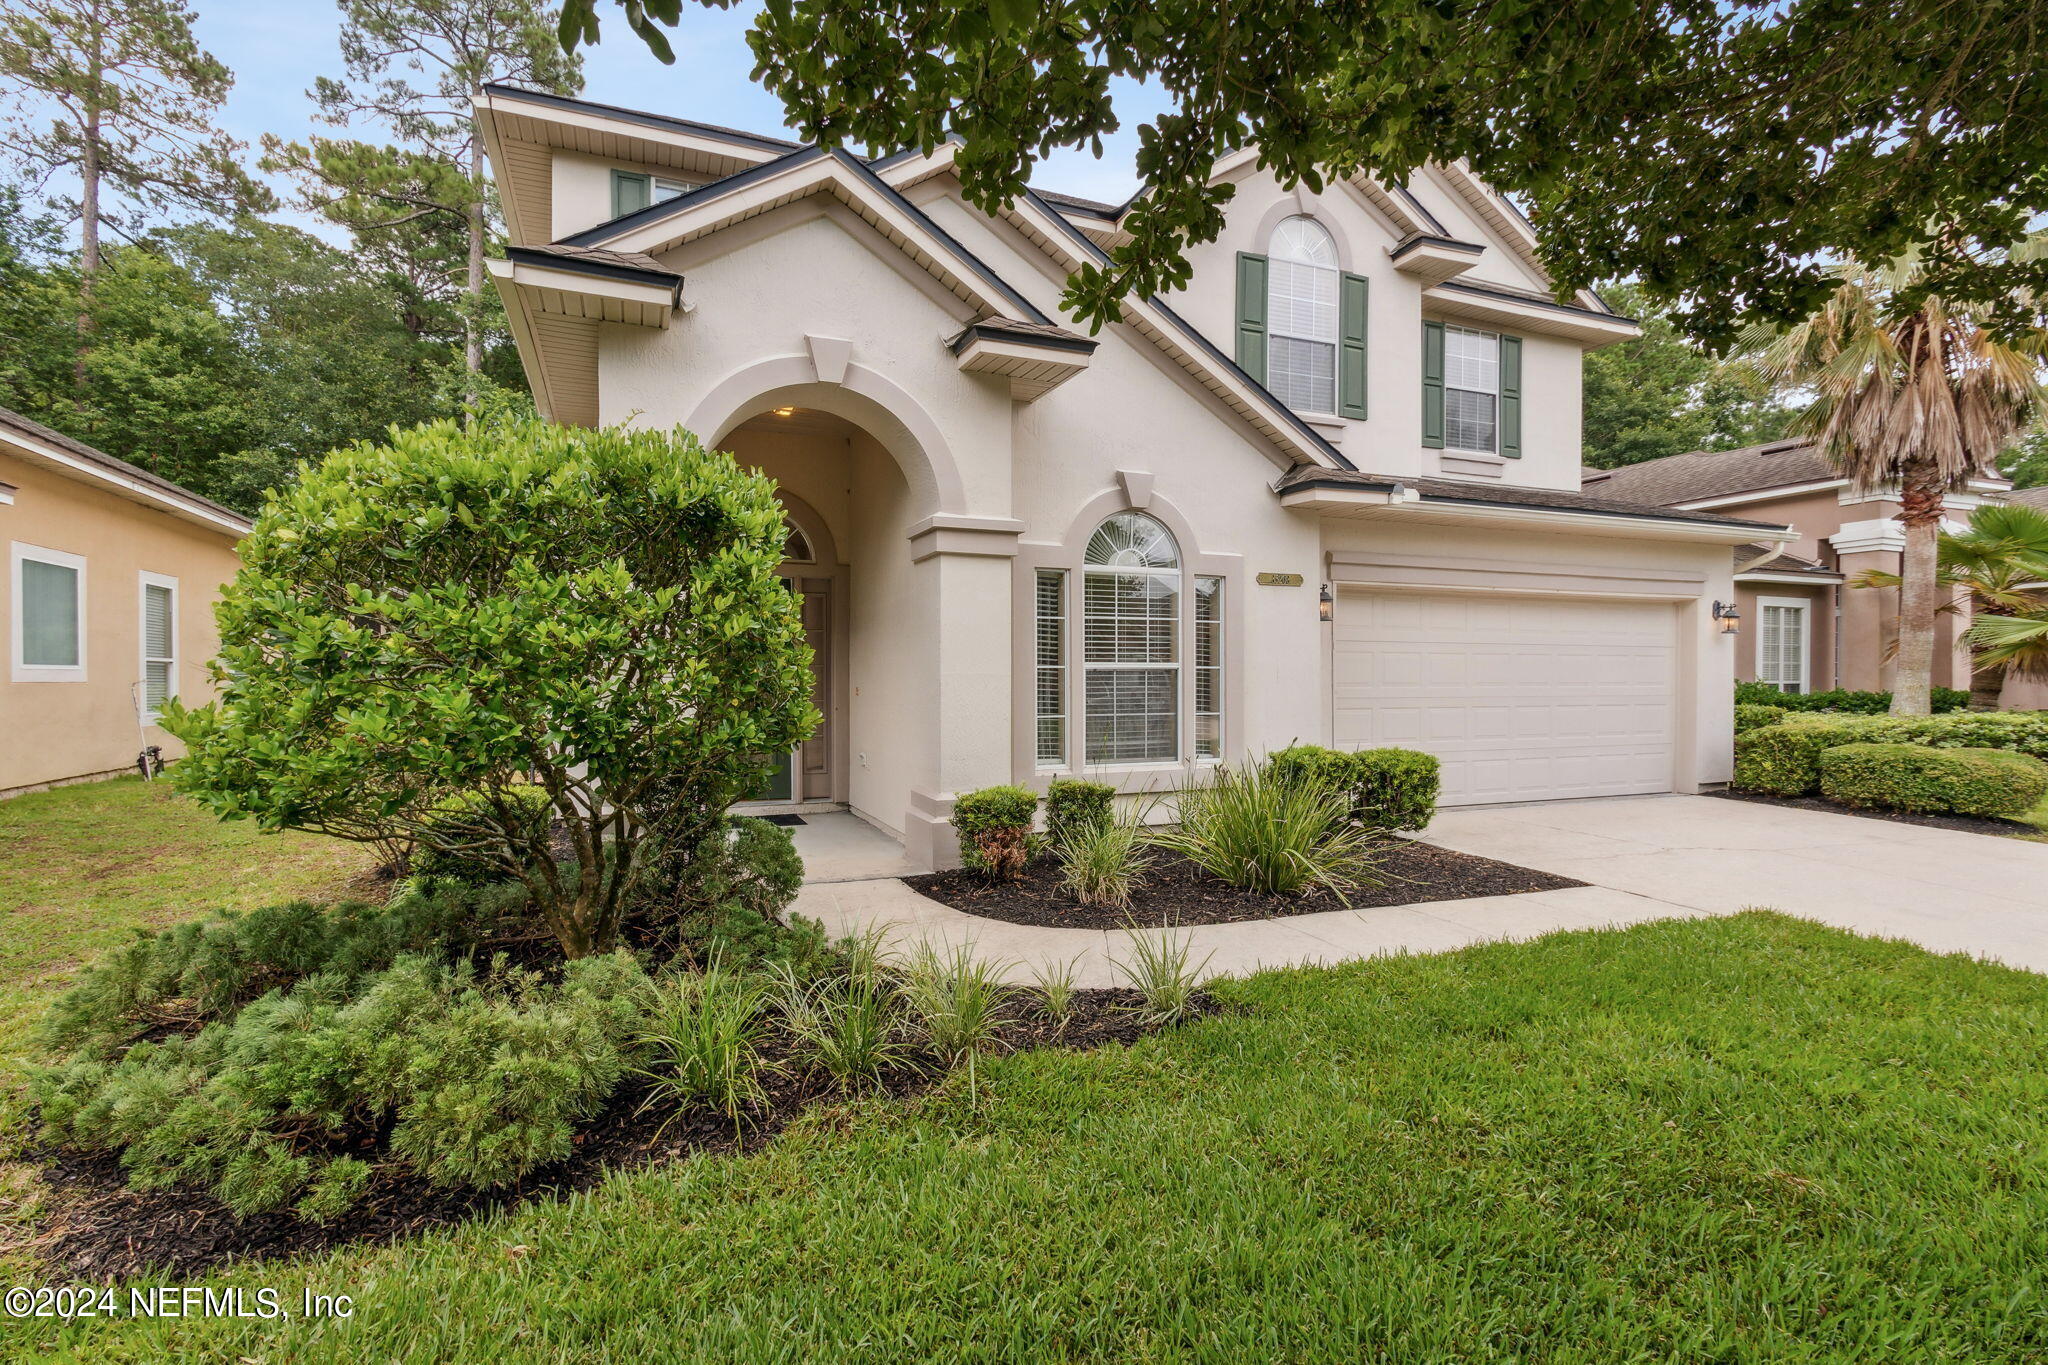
x=1720, y=151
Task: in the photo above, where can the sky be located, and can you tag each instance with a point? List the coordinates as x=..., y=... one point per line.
x=276, y=48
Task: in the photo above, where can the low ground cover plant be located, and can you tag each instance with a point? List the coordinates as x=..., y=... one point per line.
x=1784, y=759
x=1912, y=777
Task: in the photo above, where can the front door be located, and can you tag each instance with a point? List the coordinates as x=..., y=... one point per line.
x=805, y=773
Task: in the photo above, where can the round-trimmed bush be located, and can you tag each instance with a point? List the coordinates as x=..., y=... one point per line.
x=995, y=829
x=1754, y=716
x=1911, y=777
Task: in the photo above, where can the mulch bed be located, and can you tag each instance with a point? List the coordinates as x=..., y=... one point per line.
x=1967, y=824
x=1176, y=892
x=99, y=1230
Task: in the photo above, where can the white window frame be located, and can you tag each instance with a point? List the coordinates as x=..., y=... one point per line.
x=1062, y=650
x=1804, y=606
x=18, y=553
x=144, y=581
x=1335, y=340
x=1453, y=329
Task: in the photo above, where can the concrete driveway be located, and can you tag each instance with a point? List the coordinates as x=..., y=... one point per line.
x=1944, y=890
x=1644, y=857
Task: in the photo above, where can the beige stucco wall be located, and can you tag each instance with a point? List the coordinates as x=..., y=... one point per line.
x=1821, y=627
x=56, y=731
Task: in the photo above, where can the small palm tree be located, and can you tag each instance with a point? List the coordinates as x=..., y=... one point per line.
x=2001, y=563
x=1910, y=393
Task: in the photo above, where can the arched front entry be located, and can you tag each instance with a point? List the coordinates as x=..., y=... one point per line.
x=815, y=772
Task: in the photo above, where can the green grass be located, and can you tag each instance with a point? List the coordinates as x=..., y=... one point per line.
x=80, y=866
x=1753, y=1139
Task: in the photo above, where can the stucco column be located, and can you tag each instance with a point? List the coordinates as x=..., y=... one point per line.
x=964, y=571
x=1870, y=616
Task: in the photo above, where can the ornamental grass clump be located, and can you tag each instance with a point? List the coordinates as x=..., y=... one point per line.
x=1162, y=970
x=1101, y=864
x=1056, y=984
x=850, y=1027
x=701, y=1040
x=956, y=1000
x=1280, y=836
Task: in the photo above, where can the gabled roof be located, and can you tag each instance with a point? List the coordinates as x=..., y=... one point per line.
x=46, y=446
x=1678, y=479
x=1780, y=567
x=1506, y=495
x=2029, y=497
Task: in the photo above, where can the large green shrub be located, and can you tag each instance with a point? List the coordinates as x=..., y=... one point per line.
x=994, y=825
x=1942, y=699
x=1751, y=716
x=1910, y=777
x=473, y=1080
x=464, y=841
x=466, y=611
x=1074, y=807
x=1784, y=759
x=1388, y=788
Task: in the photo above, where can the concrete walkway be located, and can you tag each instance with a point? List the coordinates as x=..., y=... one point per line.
x=1649, y=857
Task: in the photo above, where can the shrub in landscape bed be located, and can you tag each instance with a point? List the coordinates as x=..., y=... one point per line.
x=480, y=610
x=187, y=976
x=476, y=1079
x=1388, y=789
x=1271, y=834
x=1751, y=716
x=701, y=1038
x=850, y=1026
x=956, y=1001
x=1073, y=806
x=1910, y=777
x=725, y=897
x=1162, y=970
x=1942, y=699
x=1784, y=759
x=995, y=830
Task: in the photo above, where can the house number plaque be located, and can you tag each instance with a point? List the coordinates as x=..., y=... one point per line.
x=1279, y=580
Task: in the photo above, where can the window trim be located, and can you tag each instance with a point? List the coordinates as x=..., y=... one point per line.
x=23, y=671
x=1804, y=606
x=1066, y=551
x=1449, y=387
x=1182, y=636
x=1336, y=338
x=1064, y=668
x=144, y=581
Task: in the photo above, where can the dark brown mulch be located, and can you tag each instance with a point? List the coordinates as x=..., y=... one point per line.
x=99, y=1230
x=1175, y=891
x=1967, y=824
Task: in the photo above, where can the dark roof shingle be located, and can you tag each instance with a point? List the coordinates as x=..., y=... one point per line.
x=1714, y=473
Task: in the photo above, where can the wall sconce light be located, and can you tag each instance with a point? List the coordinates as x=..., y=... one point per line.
x=1325, y=605
x=1728, y=617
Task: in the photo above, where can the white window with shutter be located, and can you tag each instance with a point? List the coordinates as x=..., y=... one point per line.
x=1301, y=316
x=1781, y=643
x=1471, y=390
x=159, y=644
x=48, y=625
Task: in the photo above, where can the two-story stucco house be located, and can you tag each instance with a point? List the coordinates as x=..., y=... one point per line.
x=1329, y=492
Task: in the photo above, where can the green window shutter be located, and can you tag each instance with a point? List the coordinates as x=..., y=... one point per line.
x=1251, y=314
x=1352, y=293
x=629, y=193
x=1511, y=397
x=1433, y=385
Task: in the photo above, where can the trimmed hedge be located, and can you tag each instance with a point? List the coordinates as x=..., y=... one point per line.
x=1753, y=716
x=1390, y=788
x=994, y=825
x=1911, y=777
x=1942, y=700
x=1784, y=759
x=1074, y=807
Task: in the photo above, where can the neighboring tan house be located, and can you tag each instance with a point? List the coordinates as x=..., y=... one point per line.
x=109, y=583
x=1804, y=627
x=1328, y=492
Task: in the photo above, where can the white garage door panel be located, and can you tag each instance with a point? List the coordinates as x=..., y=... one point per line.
x=1522, y=698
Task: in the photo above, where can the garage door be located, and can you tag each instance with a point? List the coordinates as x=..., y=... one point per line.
x=1522, y=698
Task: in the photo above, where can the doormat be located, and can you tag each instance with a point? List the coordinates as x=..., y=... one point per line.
x=784, y=819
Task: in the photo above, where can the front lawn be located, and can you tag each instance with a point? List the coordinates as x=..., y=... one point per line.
x=80, y=866
x=1747, y=1139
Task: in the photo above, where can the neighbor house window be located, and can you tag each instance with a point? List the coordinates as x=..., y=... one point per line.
x=1301, y=293
x=49, y=615
x=159, y=644
x=633, y=191
x=1781, y=643
x=1049, y=644
x=1131, y=602
x=1471, y=390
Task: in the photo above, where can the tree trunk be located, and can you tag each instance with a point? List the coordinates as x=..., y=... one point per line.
x=1913, y=676
x=88, y=242
x=472, y=317
x=1987, y=686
